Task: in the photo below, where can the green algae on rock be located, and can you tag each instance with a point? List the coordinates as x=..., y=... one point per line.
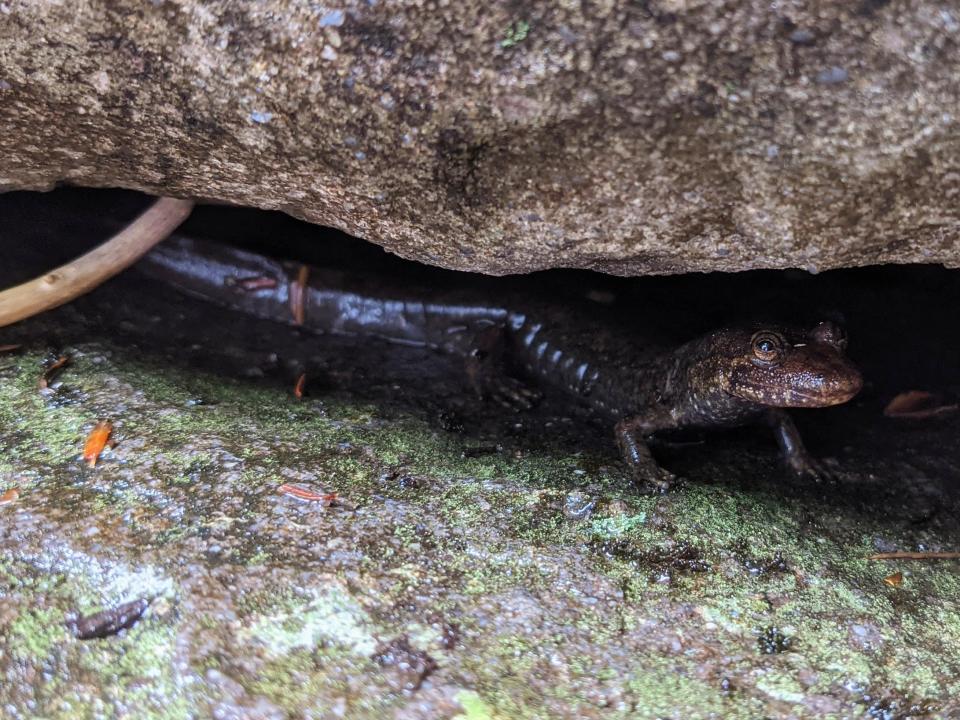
x=277, y=608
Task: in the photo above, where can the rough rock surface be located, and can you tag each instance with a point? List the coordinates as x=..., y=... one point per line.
x=476, y=563
x=649, y=137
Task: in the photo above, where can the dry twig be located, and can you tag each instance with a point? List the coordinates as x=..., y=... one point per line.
x=916, y=556
x=100, y=264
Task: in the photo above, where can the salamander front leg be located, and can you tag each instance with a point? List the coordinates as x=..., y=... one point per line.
x=647, y=474
x=791, y=445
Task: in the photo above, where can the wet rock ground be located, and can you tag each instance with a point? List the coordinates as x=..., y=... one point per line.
x=475, y=562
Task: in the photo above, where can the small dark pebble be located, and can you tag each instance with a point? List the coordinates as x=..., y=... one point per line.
x=765, y=566
x=891, y=705
x=413, y=666
x=197, y=402
x=451, y=636
x=108, y=622
x=450, y=421
x=578, y=505
x=802, y=37
x=400, y=479
x=409, y=482
x=682, y=557
x=63, y=396
x=772, y=640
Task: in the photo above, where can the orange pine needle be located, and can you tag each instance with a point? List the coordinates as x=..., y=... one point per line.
x=9, y=348
x=9, y=496
x=97, y=441
x=302, y=493
x=252, y=284
x=299, y=387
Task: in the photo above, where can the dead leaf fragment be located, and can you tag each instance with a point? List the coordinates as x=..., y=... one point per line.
x=299, y=387
x=253, y=284
x=895, y=580
x=917, y=405
x=10, y=496
x=108, y=622
x=96, y=442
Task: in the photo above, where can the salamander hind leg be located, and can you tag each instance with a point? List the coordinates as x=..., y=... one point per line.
x=487, y=372
x=649, y=476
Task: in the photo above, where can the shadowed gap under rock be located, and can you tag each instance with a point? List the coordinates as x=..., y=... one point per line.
x=898, y=319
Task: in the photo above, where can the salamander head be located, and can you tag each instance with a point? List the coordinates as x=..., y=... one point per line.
x=781, y=367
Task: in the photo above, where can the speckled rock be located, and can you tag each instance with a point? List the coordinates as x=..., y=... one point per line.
x=653, y=137
x=441, y=582
x=475, y=563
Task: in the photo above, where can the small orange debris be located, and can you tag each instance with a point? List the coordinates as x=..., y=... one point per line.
x=299, y=387
x=9, y=496
x=917, y=405
x=252, y=284
x=96, y=441
x=895, y=580
x=298, y=294
x=302, y=493
x=52, y=370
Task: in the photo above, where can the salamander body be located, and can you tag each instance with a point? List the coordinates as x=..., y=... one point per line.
x=732, y=376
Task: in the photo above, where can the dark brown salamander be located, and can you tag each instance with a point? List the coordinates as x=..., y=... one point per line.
x=729, y=377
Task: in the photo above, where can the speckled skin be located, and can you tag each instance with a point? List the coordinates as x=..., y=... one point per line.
x=733, y=376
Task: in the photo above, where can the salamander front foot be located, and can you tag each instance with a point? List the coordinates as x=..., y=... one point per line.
x=649, y=477
x=655, y=481
x=808, y=467
x=800, y=462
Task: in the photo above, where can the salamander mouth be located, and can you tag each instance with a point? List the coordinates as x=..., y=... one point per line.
x=836, y=391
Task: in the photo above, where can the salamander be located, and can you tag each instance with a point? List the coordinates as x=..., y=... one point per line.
x=729, y=377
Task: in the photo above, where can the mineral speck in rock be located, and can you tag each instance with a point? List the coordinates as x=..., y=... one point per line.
x=410, y=665
x=833, y=76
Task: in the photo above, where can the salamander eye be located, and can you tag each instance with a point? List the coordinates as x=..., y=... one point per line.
x=767, y=346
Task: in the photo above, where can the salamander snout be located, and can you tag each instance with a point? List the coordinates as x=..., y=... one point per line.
x=783, y=368
x=832, y=379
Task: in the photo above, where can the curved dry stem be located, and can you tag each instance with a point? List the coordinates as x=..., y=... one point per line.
x=79, y=276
